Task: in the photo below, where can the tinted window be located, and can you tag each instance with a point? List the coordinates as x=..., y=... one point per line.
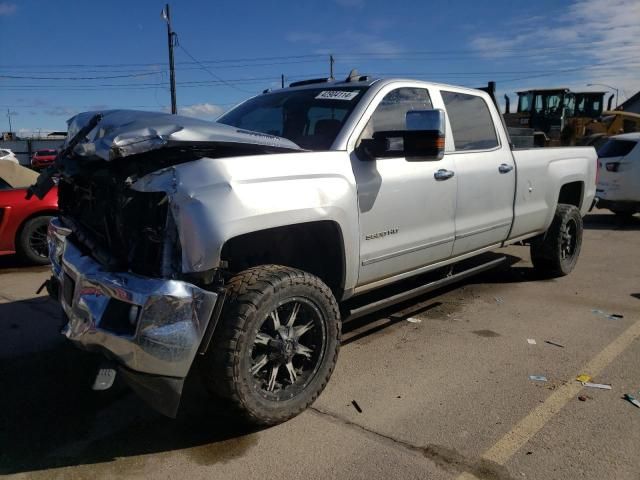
x=311, y=118
x=470, y=121
x=4, y=185
x=392, y=110
x=616, y=148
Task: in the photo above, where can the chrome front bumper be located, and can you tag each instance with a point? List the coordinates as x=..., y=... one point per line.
x=150, y=326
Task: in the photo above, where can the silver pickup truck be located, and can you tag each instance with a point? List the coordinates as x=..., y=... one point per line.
x=237, y=248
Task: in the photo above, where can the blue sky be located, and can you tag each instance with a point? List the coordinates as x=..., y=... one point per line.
x=246, y=46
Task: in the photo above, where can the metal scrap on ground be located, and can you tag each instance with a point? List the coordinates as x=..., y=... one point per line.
x=538, y=378
x=608, y=316
x=632, y=400
x=553, y=343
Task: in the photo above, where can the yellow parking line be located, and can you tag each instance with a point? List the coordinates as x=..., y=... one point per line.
x=526, y=428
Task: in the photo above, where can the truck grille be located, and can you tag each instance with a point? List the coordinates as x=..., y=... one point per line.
x=123, y=229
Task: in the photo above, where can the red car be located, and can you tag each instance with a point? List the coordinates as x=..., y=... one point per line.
x=24, y=223
x=43, y=158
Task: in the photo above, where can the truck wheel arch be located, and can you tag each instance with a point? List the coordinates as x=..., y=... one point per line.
x=314, y=247
x=571, y=194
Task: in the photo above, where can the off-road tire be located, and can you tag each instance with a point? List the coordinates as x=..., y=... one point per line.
x=547, y=250
x=29, y=233
x=250, y=298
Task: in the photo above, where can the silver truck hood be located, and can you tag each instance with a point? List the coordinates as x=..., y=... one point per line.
x=122, y=133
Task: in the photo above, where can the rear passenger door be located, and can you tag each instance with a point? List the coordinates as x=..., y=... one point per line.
x=485, y=171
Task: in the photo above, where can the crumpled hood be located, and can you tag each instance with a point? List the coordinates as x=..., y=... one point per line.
x=121, y=133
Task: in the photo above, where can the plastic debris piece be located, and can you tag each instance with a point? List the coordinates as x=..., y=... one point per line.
x=356, y=406
x=553, y=343
x=596, y=385
x=498, y=300
x=631, y=399
x=582, y=398
x=531, y=341
x=583, y=378
x=612, y=316
x=538, y=378
x=414, y=320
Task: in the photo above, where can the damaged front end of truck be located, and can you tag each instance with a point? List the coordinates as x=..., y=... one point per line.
x=118, y=248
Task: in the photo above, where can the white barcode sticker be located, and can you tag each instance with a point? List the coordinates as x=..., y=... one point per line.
x=337, y=95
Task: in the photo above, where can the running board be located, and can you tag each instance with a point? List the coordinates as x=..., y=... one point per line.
x=422, y=289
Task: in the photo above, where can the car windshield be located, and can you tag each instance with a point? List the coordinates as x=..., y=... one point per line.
x=311, y=118
x=616, y=148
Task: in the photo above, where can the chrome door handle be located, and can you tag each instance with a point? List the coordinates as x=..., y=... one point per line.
x=443, y=174
x=504, y=168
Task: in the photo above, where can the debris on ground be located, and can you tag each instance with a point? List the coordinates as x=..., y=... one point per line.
x=601, y=386
x=538, y=378
x=499, y=300
x=553, y=343
x=585, y=380
x=608, y=316
x=631, y=399
x=414, y=320
x=582, y=398
x=531, y=341
x=356, y=406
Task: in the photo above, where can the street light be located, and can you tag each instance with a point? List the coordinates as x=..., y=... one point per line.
x=605, y=85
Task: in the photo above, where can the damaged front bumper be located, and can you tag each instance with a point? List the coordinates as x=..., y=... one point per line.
x=151, y=327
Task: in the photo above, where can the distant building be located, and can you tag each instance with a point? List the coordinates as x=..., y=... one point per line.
x=631, y=104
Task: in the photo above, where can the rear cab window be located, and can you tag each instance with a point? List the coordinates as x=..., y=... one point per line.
x=471, y=123
x=616, y=148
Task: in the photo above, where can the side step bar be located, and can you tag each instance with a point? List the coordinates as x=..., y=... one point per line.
x=422, y=289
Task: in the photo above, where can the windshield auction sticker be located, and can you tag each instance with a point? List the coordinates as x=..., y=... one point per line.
x=337, y=95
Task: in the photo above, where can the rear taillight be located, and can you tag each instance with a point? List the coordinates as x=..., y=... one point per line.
x=612, y=167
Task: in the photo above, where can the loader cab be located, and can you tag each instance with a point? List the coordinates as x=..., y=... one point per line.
x=589, y=104
x=545, y=110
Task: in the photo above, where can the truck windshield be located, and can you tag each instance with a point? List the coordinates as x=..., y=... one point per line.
x=311, y=118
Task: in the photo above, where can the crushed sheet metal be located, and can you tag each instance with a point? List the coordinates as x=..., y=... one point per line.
x=122, y=133
x=171, y=316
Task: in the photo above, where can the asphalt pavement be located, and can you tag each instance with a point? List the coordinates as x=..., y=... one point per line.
x=441, y=386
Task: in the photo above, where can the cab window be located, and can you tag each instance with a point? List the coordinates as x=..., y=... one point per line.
x=471, y=123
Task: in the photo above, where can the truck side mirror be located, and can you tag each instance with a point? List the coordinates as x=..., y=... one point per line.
x=425, y=134
x=422, y=140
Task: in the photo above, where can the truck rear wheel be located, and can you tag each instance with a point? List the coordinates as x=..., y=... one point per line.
x=276, y=343
x=556, y=252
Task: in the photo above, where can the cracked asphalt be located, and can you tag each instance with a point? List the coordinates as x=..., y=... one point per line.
x=442, y=385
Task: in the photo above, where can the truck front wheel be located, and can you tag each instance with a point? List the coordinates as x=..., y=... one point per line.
x=556, y=252
x=276, y=343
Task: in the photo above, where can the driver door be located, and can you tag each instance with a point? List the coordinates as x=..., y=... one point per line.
x=406, y=213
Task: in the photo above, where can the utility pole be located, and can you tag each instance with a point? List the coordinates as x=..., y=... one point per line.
x=282, y=80
x=331, y=61
x=9, y=116
x=166, y=14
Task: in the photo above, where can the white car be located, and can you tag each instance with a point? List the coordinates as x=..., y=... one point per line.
x=618, y=186
x=6, y=154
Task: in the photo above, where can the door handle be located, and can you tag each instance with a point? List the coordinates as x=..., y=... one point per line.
x=504, y=168
x=443, y=174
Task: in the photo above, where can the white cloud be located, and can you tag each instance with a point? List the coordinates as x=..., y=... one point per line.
x=7, y=8
x=590, y=42
x=201, y=110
